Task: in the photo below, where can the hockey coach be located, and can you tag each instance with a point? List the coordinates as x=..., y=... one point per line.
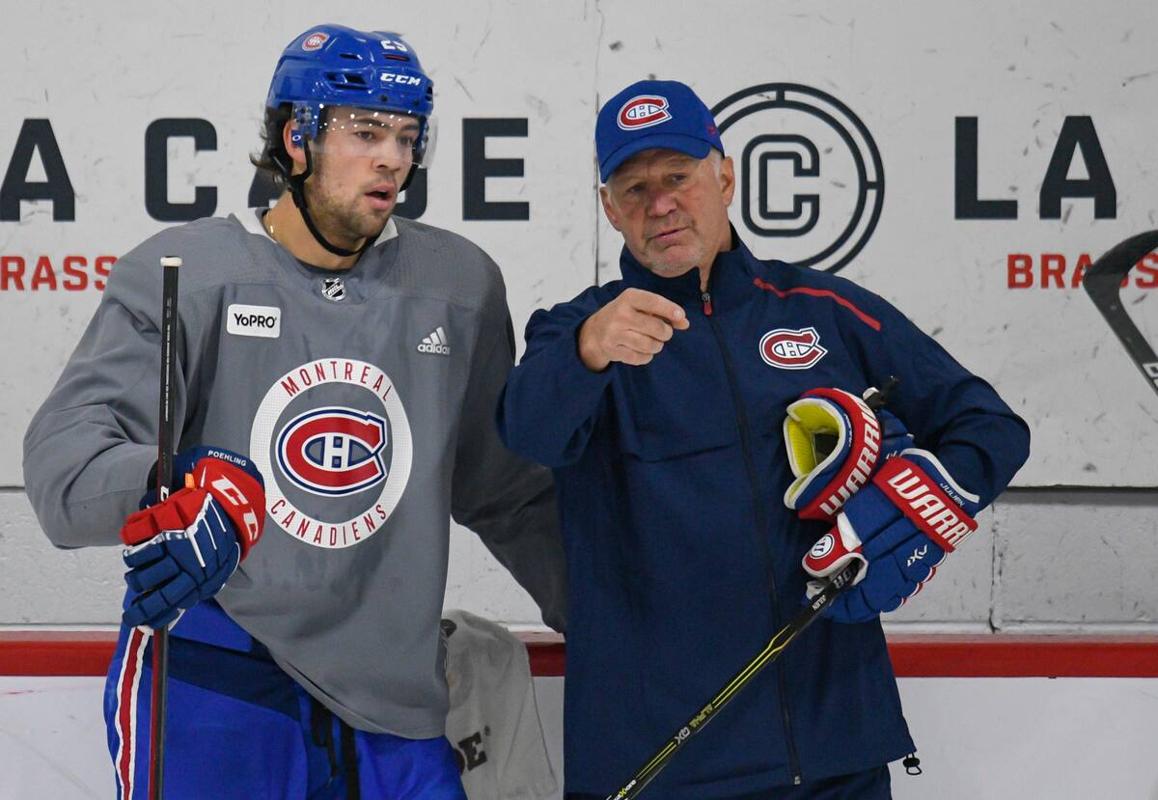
x=713, y=456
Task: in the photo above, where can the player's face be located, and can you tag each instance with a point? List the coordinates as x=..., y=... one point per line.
x=672, y=209
x=361, y=159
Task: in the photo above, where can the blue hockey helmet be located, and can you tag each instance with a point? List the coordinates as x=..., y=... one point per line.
x=332, y=65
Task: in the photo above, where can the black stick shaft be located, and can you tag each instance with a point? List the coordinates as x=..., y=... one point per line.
x=170, y=266
x=776, y=645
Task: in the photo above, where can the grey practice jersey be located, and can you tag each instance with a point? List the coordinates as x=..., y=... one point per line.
x=365, y=397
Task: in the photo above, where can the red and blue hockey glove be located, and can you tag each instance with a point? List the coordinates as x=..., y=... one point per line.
x=834, y=442
x=183, y=550
x=900, y=526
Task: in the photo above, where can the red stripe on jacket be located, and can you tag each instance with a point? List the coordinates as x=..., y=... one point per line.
x=872, y=322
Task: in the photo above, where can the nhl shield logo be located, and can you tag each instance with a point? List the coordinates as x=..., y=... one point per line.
x=785, y=348
x=333, y=451
x=333, y=289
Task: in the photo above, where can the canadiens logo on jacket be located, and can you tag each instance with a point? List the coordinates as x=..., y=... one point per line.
x=786, y=348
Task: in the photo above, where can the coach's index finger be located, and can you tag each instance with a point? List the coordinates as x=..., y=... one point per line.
x=660, y=306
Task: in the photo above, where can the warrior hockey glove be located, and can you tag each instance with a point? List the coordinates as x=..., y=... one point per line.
x=900, y=526
x=183, y=550
x=834, y=441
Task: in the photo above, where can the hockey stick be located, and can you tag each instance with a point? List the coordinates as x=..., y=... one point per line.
x=170, y=266
x=776, y=645
x=830, y=589
x=1103, y=283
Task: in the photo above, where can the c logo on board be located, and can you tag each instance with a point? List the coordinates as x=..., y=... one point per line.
x=811, y=184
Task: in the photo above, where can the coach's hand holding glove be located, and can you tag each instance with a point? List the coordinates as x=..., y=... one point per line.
x=183, y=550
x=834, y=442
x=900, y=526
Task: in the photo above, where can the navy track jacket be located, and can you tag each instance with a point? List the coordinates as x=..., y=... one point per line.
x=683, y=560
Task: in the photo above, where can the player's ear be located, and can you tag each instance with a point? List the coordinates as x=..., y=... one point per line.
x=292, y=140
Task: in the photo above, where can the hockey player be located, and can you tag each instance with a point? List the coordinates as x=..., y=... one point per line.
x=668, y=392
x=339, y=369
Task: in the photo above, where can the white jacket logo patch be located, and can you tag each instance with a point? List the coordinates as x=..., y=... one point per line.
x=260, y=321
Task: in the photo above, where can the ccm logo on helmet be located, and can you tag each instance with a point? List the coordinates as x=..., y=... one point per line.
x=333, y=451
x=401, y=80
x=784, y=348
x=643, y=112
x=260, y=321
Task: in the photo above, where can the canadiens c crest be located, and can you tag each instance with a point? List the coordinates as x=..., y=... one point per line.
x=643, y=111
x=334, y=471
x=315, y=41
x=333, y=451
x=786, y=348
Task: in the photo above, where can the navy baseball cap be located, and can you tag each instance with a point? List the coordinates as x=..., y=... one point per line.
x=649, y=114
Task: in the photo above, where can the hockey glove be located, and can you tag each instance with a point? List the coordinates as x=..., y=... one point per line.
x=900, y=526
x=834, y=441
x=183, y=550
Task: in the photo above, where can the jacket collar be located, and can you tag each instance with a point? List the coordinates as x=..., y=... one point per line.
x=729, y=284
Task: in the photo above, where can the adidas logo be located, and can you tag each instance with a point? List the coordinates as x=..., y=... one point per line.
x=435, y=343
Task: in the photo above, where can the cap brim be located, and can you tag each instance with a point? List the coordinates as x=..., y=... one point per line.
x=689, y=145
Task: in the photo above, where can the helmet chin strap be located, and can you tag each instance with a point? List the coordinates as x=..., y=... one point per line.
x=409, y=177
x=297, y=187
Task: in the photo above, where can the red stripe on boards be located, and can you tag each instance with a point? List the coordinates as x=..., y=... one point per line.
x=933, y=655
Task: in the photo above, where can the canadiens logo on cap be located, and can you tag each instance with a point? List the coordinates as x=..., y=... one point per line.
x=315, y=41
x=643, y=111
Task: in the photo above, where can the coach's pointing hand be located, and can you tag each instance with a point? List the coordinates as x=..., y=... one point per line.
x=632, y=328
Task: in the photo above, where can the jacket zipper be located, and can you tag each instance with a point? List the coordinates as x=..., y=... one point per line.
x=761, y=523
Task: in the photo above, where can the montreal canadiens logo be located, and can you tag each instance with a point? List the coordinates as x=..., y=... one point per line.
x=334, y=472
x=785, y=348
x=643, y=111
x=315, y=41
x=333, y=451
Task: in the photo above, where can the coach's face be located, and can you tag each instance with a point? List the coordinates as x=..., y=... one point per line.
x=672, y=209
